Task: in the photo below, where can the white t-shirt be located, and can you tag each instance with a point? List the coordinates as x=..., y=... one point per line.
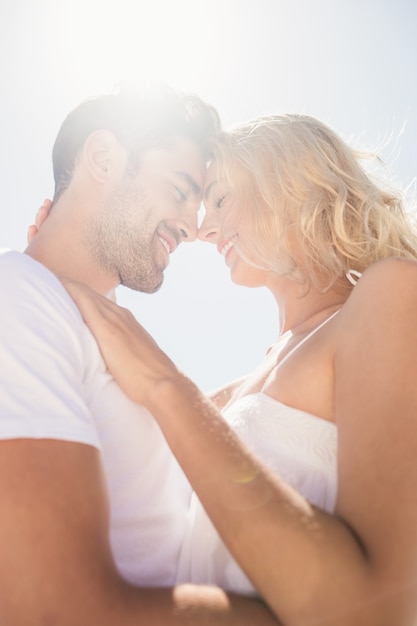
x=54, y=384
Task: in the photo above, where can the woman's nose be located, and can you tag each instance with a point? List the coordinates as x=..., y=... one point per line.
x=208, y=230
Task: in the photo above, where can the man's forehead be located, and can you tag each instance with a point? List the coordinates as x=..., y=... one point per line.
x=182, y=157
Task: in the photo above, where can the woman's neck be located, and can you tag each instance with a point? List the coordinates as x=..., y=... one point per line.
x=299, y=308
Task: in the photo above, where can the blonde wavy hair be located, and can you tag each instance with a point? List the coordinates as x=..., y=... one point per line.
x=314, y=212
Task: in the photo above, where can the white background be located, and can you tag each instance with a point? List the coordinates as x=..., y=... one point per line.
x=351, y=63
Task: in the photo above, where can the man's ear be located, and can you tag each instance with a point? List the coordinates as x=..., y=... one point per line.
x=103, y=155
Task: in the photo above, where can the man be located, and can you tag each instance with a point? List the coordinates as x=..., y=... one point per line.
x=93, y=504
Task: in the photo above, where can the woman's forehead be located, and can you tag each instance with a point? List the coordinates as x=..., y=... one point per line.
x=211, y=181
x=212, y=174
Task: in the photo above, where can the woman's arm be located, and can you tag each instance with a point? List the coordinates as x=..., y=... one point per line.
x=41, y=216
x=357, y=567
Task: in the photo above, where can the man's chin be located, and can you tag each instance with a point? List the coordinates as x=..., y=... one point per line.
x=151, y=289
x=146, y=286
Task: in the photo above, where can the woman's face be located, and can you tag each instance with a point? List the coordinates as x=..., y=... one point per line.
x=223, y=226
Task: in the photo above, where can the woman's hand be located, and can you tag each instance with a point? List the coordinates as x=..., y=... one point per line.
x=41, y=216
x=131, y=354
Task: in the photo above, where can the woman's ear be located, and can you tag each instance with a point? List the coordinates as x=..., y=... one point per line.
x=103, y=156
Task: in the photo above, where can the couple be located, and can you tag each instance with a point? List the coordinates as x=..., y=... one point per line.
x=308, y=475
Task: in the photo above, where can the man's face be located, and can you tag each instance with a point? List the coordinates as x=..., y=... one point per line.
x=148, y=214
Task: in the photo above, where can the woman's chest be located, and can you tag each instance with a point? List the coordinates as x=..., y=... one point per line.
x=301, y=376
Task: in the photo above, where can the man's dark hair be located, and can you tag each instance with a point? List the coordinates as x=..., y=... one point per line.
x=140, y=119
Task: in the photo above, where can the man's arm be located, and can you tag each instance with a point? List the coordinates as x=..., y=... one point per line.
x=56, y=565
x=220, y=397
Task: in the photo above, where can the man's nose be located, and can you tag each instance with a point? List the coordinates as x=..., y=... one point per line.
x=188, y=225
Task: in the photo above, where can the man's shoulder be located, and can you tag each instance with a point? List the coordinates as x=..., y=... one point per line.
x=27, y=285
x=18, y=269
x=13, y=263
x=9, y=257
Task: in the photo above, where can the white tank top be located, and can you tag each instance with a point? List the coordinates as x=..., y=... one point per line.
x=299, y=446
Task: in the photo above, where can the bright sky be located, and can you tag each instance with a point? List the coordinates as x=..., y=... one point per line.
x=352, y=64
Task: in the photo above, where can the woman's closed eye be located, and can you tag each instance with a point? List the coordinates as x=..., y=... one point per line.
x=219, y=202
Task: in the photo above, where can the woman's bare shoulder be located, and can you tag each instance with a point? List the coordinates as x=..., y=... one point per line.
x=386, y=289
x=391, y=267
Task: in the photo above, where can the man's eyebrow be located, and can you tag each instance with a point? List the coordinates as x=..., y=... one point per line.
x=190, y=180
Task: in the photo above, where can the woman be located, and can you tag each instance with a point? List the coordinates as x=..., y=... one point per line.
x=290, y=208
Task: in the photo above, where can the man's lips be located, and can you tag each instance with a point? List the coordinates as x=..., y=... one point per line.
x=169, y=243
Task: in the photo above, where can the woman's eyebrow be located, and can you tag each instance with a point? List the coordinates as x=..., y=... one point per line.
x=208, y=189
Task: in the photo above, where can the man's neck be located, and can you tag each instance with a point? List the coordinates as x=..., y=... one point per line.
x=60, y=247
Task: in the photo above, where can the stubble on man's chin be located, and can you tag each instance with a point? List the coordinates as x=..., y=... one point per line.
x=144, y=286
x=145, y=282
x=119, y=245
x=133, y=265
